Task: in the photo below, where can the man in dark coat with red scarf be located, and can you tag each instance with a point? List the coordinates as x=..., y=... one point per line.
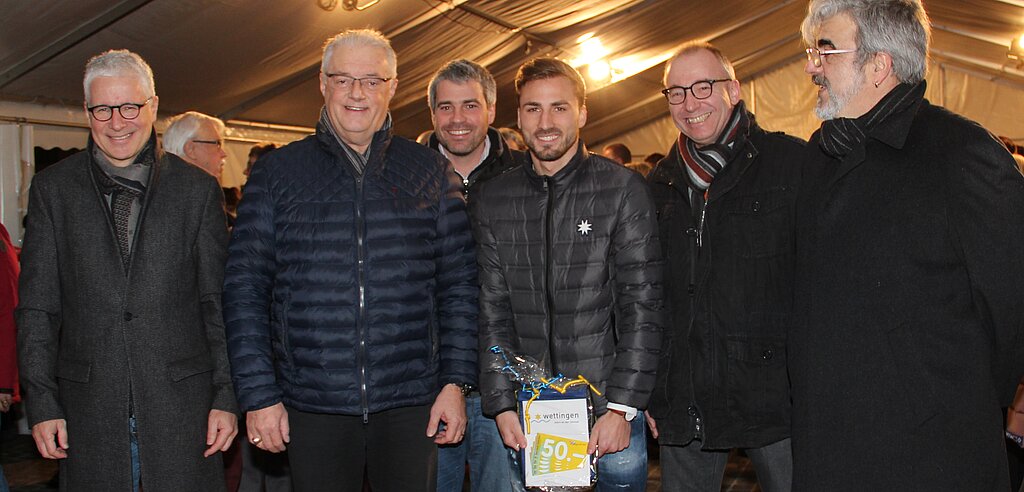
x=726, y=198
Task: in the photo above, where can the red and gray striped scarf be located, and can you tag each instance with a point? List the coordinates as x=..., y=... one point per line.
x=702, y=164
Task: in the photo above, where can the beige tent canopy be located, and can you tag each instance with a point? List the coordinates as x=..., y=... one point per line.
x=255, y=62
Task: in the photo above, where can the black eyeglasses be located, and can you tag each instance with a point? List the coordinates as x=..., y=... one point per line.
x=701, y=89
x=814, y=55
x=219, y=143
x=128, y=111
x=346, y=83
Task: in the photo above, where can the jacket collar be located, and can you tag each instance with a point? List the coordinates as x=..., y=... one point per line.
x=325, y=136
x=564, y=175
x=893, y=130
x=497, y=160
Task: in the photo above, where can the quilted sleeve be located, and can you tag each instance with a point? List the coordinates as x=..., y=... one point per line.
x=248, y=287
x=456, y=285
x=640, y=317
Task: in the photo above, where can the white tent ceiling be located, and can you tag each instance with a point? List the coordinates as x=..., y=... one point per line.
x=257, y=60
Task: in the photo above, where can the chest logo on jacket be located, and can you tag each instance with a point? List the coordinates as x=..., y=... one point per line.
x=584, y=227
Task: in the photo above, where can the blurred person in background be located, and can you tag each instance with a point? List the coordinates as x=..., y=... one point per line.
x=198, y=139
x=513, y=138
x=9, y=269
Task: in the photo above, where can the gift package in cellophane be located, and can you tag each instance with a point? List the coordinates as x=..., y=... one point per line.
x=556, y=414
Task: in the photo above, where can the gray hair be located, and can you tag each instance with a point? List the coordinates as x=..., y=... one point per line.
x=695, y=46
x=462, y=71
x=897, y=27
x=183, y=127
x=361, y=38
x=119, y=63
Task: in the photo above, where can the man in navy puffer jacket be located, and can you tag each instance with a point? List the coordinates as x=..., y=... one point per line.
x=351, y=290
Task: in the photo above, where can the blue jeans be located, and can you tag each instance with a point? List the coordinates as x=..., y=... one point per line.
x=133, y=439
x=489, y=467
x=625, y=470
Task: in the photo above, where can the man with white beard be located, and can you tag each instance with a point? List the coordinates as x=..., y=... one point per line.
x=909, y=330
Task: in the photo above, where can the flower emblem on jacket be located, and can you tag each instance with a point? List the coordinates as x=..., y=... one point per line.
x=584, y=227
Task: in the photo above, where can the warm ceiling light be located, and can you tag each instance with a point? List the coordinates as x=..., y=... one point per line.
x=590, y=50
x=599, y=71
x=584, y=37
x=1016, y=51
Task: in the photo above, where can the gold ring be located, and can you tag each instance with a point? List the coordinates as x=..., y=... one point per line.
x=256, y=440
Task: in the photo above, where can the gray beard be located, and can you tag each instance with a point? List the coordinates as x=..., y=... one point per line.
x=835, y=103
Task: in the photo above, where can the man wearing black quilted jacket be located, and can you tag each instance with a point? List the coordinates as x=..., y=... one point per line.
x=570, y=273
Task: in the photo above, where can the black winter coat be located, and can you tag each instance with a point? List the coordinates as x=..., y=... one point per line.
x=570, y=274
x=730, y=300
x=911, y=326
x=350, y=294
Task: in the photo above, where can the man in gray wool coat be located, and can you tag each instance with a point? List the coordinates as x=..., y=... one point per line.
x=120, y=330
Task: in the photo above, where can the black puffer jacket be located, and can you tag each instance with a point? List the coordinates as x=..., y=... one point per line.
x=570, y=273
x=725, y=352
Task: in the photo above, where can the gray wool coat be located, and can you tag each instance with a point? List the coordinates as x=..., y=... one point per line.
x=95, y=341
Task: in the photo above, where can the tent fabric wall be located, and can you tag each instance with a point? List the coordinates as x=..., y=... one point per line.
x=16, y=164
x=996, y=105
x=656, y=136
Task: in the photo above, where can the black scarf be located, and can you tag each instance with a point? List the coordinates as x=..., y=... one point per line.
x=841, y=135
x=702, y=164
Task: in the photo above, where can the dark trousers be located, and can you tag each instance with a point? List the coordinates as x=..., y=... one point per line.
x=329, y=452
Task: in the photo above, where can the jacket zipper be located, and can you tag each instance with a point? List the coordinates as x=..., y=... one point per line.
x=549, y=185
x=701, y=421
x=360, y=328
x=700, y=225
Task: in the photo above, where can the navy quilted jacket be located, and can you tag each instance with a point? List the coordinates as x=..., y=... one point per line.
x=349, y=294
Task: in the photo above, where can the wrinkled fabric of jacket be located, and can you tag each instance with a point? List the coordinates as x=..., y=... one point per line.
x=570, y=274
x=349, y=294
x=730, y=299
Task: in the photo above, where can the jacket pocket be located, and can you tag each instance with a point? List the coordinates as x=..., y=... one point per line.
x=189, y=366
x=435, y=338
x=73, y=370
x=281, y=340
x=761, y=222
x=758, y=385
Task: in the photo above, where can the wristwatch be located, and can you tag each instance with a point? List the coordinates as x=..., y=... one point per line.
x=629, y=415
x=466, y=389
